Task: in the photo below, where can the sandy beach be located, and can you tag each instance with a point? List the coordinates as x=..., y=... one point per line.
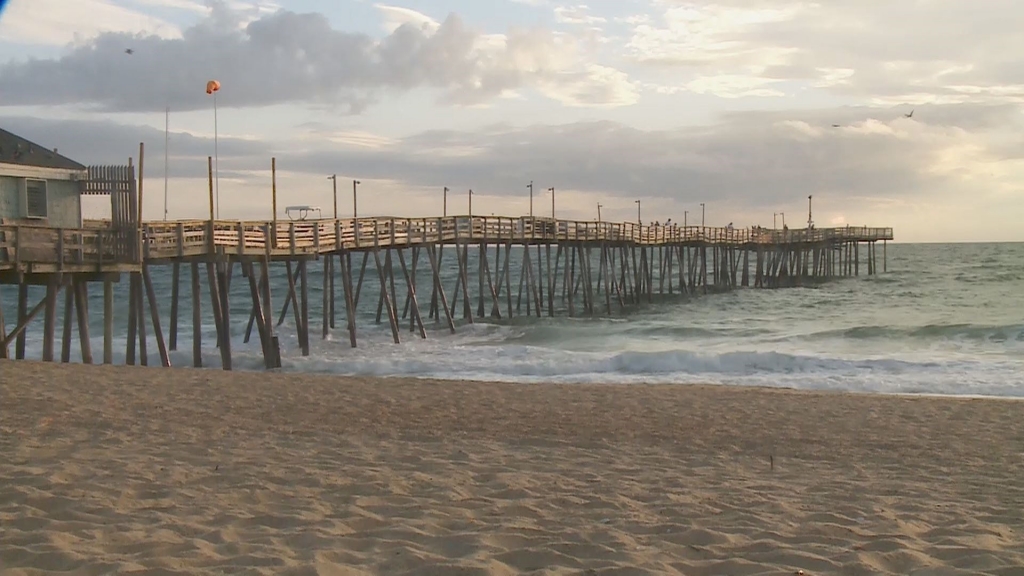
x=136, y=470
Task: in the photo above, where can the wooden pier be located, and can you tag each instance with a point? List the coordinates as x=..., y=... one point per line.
x=504, y=267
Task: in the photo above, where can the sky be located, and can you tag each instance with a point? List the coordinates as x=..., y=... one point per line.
x=901, y=113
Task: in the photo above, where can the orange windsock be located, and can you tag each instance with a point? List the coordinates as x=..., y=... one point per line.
x=212, y=86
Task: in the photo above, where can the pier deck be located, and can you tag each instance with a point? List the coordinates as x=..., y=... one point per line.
x=565, y=266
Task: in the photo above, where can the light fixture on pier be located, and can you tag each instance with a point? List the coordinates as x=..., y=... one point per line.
x=638, y=220
x=334, y=177
x=444, y=212
x=355, y=212
x=552, y=190
x=701, y=214
x=530, y=186
x=599, y=211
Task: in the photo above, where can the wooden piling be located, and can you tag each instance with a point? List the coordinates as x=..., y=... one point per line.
x=197, y=318
x=172, y=330
x=69, y=310
x=108, y=321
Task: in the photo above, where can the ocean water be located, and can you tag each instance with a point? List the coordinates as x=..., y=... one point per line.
x=944, y=319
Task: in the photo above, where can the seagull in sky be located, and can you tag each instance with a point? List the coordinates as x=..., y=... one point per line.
x=129, y=51
x=910, y=115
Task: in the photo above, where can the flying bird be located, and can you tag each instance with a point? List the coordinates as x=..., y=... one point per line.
x=835, y=125
x=910, y=115
x=129, y=51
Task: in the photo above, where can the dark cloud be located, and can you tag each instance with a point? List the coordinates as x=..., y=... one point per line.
x=279, y=58
x=106, y=142
x=753, y=159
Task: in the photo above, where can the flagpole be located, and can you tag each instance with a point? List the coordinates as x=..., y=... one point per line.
x=167, y=126
x=216, y=154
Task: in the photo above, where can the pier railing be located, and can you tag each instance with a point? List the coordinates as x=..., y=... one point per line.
x=98, y=243
x=55, y=249
x=194, y=237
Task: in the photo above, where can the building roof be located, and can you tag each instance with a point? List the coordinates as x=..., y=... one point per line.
x=16, y=150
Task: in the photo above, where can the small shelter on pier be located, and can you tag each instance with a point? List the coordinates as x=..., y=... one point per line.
x=38, y=186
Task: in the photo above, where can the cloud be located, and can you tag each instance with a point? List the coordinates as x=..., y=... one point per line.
x=877, y=168
x=59, y=22
x=287, y=57
x=578, y=14
x=882, y=52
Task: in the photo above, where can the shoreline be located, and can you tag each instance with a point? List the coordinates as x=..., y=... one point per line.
x=114, y=468
x=538, y=381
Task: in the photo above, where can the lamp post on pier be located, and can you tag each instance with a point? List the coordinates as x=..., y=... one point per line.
x=530, y=186
x=552, y=190
x=598, y=211
x=638, y=220
x=701, y=214
x=334, y=177
x=444, y=210
x=685, y=214
x=471, y=203
x=355, y=213
x=810, y=222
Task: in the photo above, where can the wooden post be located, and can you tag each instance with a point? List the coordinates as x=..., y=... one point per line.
x=173, y=329
x=50, y=318
x=19, y=345
x=154, y=312
x=268, y=310
x=439, y=287
x=133, y=323
x=259, y=309
x=304, y=312
x=69, y=308
x=223, y=339
x=346, y=283
x=23, y=323
x=3, y=331
x=386, y=297
x=142, y=161
x=326, y=304
x=197, y=318
x=411, y=284
x=108, y=321
x=225, y=306
x=140, y=318
x=273, y=200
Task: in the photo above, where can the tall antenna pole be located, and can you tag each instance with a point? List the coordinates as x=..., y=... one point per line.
x=216, y=153
x=167, y=139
